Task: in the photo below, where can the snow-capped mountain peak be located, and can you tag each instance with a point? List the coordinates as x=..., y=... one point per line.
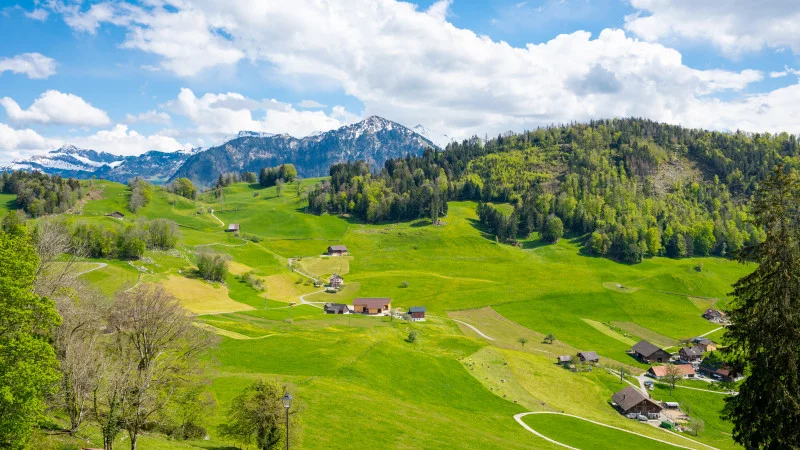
x=440, y=139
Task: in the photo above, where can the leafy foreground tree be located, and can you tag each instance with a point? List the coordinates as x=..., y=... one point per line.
x=28, y=365
x=258, y=414
x=765, y=336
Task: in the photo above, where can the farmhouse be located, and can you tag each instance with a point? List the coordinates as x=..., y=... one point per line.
x=715, y=368
x=565, y=360
x=685, y=370
x=116, y=215
x=372, y=305
x=588, y=357
x=417, y=313
x=706, y=344
x=630, y=400
x=336, y=308
x=691, y=354
x=232, y=228
x=714, y=315
x=648, y=352
x=337, y=250
x=336, y=281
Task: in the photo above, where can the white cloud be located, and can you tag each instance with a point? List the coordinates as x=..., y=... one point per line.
x=37, y=14
x=120, y=140
x=152, y=116
x=218, y=115
x=15, y=144
x=310, y=104
x=34, y=65
x=413, y=66
x=786, y=71
x=54, y=107
x=734, y=26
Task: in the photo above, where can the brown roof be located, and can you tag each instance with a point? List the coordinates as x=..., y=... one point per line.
x=645, y=348
x=589, y=356
x=661, y=371
x=372, y=302
x=629, y=397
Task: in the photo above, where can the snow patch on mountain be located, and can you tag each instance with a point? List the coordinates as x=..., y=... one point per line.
x=440, y=139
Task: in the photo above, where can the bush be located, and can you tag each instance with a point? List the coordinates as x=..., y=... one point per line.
x=253, y=281
x=213, y=266
x=412, y=337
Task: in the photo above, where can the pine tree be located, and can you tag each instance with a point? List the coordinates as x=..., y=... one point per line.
x=765, y=335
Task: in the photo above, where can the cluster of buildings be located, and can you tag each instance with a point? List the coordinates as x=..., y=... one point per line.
x=693, y=361
x=373, y=306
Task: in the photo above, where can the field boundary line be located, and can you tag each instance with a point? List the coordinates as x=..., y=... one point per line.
x=599, y=326
x=518, y=418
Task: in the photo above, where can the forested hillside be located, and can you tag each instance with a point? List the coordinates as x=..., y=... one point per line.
x=633, y=188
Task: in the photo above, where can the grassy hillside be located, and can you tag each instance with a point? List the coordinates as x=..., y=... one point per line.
x=357, y=381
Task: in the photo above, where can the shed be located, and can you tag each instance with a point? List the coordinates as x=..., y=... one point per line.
x=588, y=357
x=417, y=313
x=372, y=306
x=648, y=352
x=116, y=215
x=565, y=359
x=233, y=228
x=631, y=400
x=336, y=308
x=337, y=250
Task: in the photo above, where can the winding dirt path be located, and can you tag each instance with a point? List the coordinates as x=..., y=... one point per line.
x=97, y=267
x=518, y=418
x=473, y=329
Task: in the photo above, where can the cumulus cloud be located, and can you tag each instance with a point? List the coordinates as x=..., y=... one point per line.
x=218, y=115
x=734, y=26
x=37, y=14
x=121, y=140
x=310, y=104
x=34, y=65
x=413, y=66
x=15, y=144
x=54, y=107
x=152, y=116
x=786, y=71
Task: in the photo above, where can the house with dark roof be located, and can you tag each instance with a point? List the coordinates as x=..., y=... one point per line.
x=691, y=354
x=417, y=313
x=336, y=281
x=337, y=250
x=372, y=306
x=336, y=308
x=631, y=400
x=648, y=352
x=715, y=368
x=588, y=357
x=232, y=228
x=706, y=344
x=116, y=215
x=714, y=315
x=565, y=360
x=685, y=370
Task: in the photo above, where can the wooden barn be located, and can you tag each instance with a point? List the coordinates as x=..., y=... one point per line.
x=417, y=313
x=588, y=357
x=336, y=308
x=232, y=228
x=337, y=250
x=648, y=352
x=372, y=306
x=631, y=400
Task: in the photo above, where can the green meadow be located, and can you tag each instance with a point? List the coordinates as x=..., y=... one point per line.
x=359, y=383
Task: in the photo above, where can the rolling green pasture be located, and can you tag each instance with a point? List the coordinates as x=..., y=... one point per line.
x=358, y=382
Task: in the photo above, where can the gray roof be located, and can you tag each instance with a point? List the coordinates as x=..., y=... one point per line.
x=416, y=309
x=589, y=356
x=704, y=341
x=336, y=307
x=628, y=398
x=645, y=348
x=565, y=358
x=337, y=248
x=692, y=351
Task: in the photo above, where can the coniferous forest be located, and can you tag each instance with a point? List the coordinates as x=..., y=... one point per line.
x=629, y=188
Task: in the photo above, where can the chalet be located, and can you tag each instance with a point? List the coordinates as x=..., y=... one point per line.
x=648, y=352
x=715, y=368
x=691, y=354
x=337, y=250
x=417, y=313
x=232, y=228
x=630, y=400
x=714, y=315
x=336, y=308
x=588, y=357
x=336, y=281
x=686, y=371
x=372, y=306
x=565, y=360
x=116, y=215
x=706, y=344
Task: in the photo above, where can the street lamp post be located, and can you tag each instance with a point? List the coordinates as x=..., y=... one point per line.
x=287, y=402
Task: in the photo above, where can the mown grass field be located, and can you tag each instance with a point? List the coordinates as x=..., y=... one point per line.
x=358, y=382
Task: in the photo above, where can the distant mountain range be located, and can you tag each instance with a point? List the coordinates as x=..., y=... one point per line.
x=373, y=140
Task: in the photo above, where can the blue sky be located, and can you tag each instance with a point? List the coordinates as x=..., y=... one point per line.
x=127, y=77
